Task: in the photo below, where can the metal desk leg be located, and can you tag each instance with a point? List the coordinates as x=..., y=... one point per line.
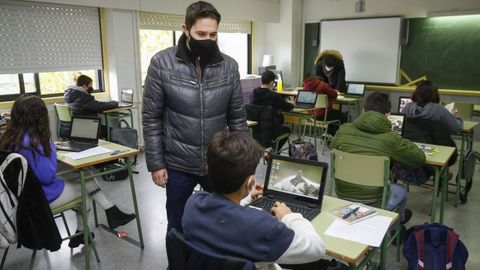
x=135, y=206
x=86, y=231
x=444, y=179
x=460, y=169
x=435, y=192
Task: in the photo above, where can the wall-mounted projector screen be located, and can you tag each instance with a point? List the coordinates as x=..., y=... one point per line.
x=370, y=47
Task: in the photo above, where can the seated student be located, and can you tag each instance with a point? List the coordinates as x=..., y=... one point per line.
x=29, y=134
x=429, y=122
x=81, y=101
x=371, y=134
x=264, y=96
x=317, y=84
x=218, y=223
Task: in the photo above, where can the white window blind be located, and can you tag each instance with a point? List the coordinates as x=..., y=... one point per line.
x=174, y=22
x=37, y=37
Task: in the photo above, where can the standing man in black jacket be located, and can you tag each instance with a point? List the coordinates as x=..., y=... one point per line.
x=191, y=92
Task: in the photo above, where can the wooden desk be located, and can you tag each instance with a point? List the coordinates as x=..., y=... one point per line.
x=439, y=162
x=119, y=113
x=82, y=166
x=355, y=254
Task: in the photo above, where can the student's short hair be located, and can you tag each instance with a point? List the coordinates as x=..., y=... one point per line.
x=378, y=102
x=83, y=80
x=268, y=77
x=426, y=92
x=329, y=60
x=200, y=10
x=231, y=158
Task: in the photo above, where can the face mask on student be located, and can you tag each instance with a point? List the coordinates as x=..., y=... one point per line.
x=328, y=68
x=203, y=48
x=90, y=90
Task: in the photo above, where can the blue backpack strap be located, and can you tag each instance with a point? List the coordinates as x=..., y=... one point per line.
x=419, y=237
x=452, y=239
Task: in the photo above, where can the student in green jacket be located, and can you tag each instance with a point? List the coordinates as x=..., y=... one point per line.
x=371, y=134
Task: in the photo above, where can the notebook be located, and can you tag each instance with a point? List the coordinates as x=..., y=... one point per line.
x=402, y=102
x=397, y=121
x=83, y=134
x=355, y=90
x=299, y=183
x=306, y=99
x=126, y=98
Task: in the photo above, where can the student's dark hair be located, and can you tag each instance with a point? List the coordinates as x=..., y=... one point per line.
x=83, y=80
x=268, y=77
x=378, y=102
x=29, y=115
x=231, y=158
x=426, y=92
x=329, y=60
x=200, y=10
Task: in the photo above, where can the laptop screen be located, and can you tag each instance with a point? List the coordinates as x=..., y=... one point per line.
x=356, y=89
x=127, y=96
x=402, y=102
x=296, y=177
x=397, y=121
x=85, y=128
x=307, y=97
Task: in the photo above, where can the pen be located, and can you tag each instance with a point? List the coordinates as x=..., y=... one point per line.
x=350, y=213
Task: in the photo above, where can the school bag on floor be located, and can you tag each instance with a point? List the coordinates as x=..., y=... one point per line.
x=434, y=247
x=468, y=170
x=302, y=150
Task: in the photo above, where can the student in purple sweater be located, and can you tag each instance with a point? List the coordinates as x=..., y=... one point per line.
x=29, y=134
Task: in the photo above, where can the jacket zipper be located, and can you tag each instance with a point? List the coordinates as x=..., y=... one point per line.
x=198, y=69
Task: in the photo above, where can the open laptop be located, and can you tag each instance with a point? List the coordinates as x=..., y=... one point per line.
x=355, y=90
x=402, y=102
x=83, y=134
x=397, y=120
x=306, y=99
x=126, y=98
x=298, y=183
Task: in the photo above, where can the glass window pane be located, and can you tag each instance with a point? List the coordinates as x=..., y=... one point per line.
x=29, y=82
x=151, y=42
x=58, y=82
x=9, y=84
x=178, y=34
x=235, y=45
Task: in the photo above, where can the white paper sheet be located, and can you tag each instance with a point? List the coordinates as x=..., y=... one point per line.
x=369, y=231
x=89, y=153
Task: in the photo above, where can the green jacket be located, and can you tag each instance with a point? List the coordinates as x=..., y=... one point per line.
x=371, y=134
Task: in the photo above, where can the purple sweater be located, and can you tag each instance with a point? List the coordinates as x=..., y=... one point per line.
x=45, y=168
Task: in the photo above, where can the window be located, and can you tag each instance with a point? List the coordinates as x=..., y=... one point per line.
x=45, y=46
x=151, y=42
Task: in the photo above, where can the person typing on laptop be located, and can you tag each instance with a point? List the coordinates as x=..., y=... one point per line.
x=212, y=221
x=29, y=135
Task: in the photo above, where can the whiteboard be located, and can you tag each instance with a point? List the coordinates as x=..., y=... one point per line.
x=370, y=47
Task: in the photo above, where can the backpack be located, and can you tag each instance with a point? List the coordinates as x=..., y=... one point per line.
x=434, y=247
x=302, y=150
x=468, y=170
x=9, y=198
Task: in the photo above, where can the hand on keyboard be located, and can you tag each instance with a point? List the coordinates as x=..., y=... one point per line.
x=279, y=210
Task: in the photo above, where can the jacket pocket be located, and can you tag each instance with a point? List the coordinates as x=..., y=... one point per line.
x=218, y=82
x=182, y=81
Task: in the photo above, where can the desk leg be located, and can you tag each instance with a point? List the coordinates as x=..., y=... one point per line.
x=86, y=231
x=460, y=169
x=434, y=196
x=444, y=179
x=135, y=206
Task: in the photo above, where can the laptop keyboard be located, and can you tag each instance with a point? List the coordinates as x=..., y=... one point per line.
x=267, y=204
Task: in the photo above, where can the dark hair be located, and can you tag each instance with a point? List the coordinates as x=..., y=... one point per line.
x=268, y=77
x=231, y=158
x=329, y=60
x=378, y=102
x=29, y=116
x=83, y=80
x=426, y=92
x=200, y=10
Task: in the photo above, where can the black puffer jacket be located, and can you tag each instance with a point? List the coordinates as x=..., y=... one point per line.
x=82, y=103
x=181, y=112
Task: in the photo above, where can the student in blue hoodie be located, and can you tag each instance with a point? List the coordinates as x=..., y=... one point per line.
x=29, y=134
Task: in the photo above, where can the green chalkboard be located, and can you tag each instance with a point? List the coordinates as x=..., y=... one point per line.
x=446, y=50
x=310, y=48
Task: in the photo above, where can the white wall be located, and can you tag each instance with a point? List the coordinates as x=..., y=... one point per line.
x=315, y=10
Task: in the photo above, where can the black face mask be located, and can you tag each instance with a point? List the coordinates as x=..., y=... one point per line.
x=203, y=48
x=90, y=90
